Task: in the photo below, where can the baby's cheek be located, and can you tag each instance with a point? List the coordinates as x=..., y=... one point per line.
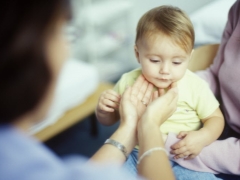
x=144, y=74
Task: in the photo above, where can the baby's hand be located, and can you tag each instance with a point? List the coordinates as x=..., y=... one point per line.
x=190, y=145
x=108, y=101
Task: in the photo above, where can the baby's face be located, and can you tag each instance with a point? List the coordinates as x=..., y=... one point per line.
x=163, y=61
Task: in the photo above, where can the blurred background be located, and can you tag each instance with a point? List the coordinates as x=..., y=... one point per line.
x=102, y=35
x=105, y=31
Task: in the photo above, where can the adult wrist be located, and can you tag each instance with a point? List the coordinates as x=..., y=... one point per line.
x=149, y=136
x=145, y=126
x=126, y=136
x=147, y=122
x=150, y=117
x=128, y=123
x=118, y=145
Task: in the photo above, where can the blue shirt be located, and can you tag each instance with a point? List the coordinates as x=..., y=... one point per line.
x=24, y=158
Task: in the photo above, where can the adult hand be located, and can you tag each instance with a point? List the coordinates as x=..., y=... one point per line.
x=130, y=109
x=162, y=107
x=134, y=101
x=149, y=135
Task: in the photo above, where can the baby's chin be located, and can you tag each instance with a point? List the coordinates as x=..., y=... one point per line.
x=162, y=85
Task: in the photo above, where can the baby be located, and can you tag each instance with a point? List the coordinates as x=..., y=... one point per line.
x=163, y=47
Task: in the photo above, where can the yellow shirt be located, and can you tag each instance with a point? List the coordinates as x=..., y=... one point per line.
x=196, y=101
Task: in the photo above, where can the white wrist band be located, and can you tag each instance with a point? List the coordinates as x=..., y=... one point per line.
x=147, y=153
x=118, y=145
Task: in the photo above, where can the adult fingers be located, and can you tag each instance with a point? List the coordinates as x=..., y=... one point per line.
x=147, y=94
x=171, y=97
x=142, y=90
x=173, y=85
x=126, y=94
x=137, y=85
x=161, y=92
x=173, y=93
x=155, y=95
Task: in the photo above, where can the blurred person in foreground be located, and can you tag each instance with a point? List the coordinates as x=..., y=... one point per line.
x=33, y=50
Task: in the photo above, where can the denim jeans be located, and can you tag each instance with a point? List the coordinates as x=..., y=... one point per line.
x=180, y=172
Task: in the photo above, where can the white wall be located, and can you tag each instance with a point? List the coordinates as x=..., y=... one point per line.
x=187, y=5
x=142, y=6
x=122, y=57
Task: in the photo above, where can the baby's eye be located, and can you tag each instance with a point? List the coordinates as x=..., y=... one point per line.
x=177, y=63
x=154, y=61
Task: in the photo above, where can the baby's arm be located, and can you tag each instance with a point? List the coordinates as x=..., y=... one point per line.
x=107, y=108
x=212, y=126
x=218, y=157
x=193, y=141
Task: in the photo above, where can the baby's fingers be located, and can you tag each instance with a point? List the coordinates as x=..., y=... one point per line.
x=179, y=150
x=179, y=145
x=184, y=155
x=190, y=157
x=182, y=134
x=108, y=105
x=111, y=98
x=111, y=95
x=105, y=108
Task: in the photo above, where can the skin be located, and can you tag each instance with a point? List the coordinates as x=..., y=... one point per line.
x=135, y=123
x=194, y=141
x=136, y=116
x=107, y=108
x=161, y=69
x=164, y=63
x=155, y=166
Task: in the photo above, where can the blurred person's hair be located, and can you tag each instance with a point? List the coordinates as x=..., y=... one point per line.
x=25, y=74
x=169, y=20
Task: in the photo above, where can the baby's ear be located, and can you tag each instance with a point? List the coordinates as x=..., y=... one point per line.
x=136, y=52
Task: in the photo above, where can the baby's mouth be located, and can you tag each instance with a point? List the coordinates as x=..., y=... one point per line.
x=164, y=80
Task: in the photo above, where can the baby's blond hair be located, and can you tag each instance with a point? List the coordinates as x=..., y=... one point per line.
x=169, y=20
